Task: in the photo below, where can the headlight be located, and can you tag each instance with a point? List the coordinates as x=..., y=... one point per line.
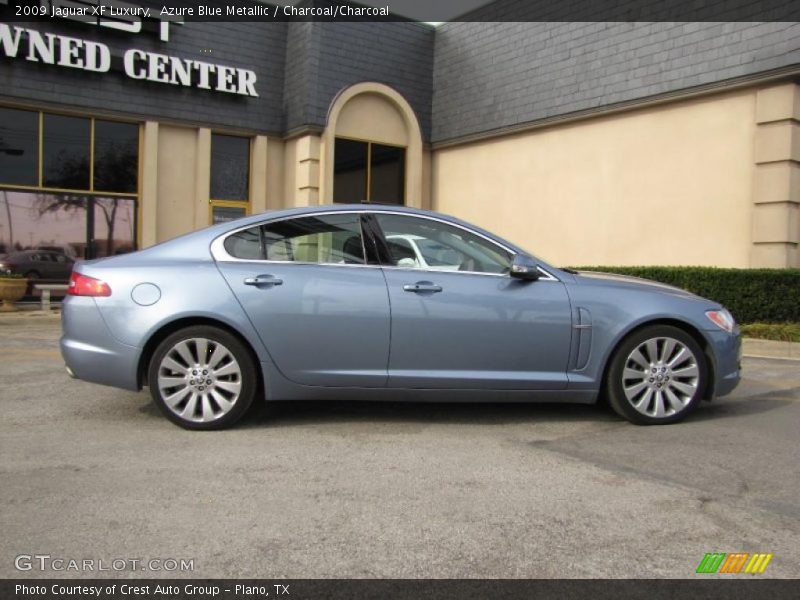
x=722, y=319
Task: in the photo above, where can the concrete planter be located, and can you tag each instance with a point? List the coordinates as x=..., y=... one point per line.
x=11, y=290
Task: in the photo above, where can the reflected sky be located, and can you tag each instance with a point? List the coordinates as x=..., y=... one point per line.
x=30, y=219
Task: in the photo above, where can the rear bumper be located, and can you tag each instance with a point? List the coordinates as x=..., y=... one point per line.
x=727, y=352
x=90, y=351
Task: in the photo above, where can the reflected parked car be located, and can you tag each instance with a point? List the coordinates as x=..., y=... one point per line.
x=64, y=249
x=38, y=264
x=318, y=303
x=418, y=252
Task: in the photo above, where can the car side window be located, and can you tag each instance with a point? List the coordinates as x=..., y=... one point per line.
x=245, y=244
x=419, y=243
x=324, y=239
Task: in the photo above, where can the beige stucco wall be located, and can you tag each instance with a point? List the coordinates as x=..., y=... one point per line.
x=177, y=158
x=776, y=190
x=669, y=184
x=370, y=116
x=175, y=179
x=372, y=111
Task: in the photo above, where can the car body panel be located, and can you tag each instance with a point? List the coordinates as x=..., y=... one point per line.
x=479, y=331
x=323, y=324
x=352, y=332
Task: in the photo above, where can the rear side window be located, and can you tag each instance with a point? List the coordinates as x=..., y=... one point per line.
x=245, y=244
x=326, y=239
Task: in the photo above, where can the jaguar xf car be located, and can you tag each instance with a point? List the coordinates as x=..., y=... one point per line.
x=322, y=303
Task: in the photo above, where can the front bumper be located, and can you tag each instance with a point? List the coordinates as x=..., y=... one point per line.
x=726, y=350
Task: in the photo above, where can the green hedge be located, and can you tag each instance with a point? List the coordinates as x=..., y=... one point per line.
x=752, y=295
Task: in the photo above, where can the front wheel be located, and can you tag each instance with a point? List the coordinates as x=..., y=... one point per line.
x=202, y=377
x=656, y=376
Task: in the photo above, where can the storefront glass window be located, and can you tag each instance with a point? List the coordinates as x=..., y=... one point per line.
x=76, y=225
x=366, y=171
x=65, y=152
x=230, y=167
x=387, y=174
x=19, y=147
x=29, y=220
x=114, y=226
x=350, y=171
x=116, y=156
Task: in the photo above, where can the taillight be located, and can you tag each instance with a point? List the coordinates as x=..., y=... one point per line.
x=83, y=285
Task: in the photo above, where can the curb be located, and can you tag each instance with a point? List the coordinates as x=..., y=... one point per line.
x=755, y=348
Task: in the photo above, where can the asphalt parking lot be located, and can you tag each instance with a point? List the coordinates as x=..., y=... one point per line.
x=329, y=490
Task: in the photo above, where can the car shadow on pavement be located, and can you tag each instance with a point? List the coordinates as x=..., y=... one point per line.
x=454, y=413
x=303, y=413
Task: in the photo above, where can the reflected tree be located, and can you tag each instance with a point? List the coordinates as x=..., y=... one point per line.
x=115, y=169
x=10, y=220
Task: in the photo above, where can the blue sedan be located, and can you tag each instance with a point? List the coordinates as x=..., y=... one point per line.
x=368, y=302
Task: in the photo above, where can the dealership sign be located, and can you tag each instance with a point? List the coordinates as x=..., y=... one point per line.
x=75, y=53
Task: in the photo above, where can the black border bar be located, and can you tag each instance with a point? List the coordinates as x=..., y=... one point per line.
x=711, y=588
x=435, y=10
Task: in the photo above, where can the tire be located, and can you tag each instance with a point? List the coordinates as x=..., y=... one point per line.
x=202, y=377
x=656, y=376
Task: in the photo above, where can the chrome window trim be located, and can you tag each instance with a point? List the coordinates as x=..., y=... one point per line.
x=219, y=253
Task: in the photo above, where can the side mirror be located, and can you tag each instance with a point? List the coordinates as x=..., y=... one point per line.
x=525, y=268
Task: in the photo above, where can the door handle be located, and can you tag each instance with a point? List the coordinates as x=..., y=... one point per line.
x=422, y=286
x=263, y=280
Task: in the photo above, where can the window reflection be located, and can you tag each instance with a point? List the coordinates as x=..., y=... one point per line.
x=350, y=171
x=116, y=156
x=114, y=226
x=230, y=167
x=77, y=226
x=19, y=147
x=387, y=176
x=366, y=171
x=65, y=152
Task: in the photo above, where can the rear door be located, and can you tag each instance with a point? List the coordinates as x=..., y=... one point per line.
x=320, y=309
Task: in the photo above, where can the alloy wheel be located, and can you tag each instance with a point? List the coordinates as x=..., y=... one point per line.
x=661, y=376
x=199, y=379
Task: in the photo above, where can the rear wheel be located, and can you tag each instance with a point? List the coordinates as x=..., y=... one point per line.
x=202, y=377
x=656, y=376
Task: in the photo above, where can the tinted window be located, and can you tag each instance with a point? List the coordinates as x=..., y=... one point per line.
x=116, y=156
x=230, y=167
x=368, y=171
x=442, y=246
x=114, y=226
x=245, y=244
x=19, y=147
x=350, y=171
x=331, y=239
x=387, y=174
x=66, y=152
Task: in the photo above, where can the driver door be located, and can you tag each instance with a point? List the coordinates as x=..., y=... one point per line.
x=458, y=320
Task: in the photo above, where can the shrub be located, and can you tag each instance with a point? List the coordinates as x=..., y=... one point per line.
x=782, y=332
x=752, y=295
